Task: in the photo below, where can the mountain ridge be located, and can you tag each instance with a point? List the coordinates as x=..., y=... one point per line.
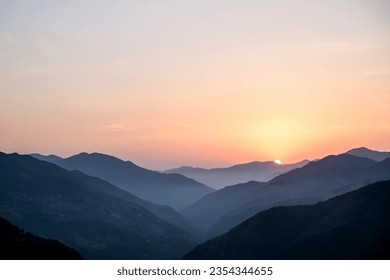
x=54, y=203
x=350, y=226
x=368, y=153
x=174, y=190
x=316, y=181
x=236, y=174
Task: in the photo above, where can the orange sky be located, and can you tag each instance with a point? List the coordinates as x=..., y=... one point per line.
x=213, y=83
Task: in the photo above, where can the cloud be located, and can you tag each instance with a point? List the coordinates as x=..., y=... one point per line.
x=378, y=72
x=117, y=127
x=348, y=47
x=343, y=127
x=341, y=46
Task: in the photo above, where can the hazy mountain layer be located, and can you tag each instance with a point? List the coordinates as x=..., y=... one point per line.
x=174, y=190
x=351, y=226
x=208, y=210
x=84, y=213
x=242, y=173
x=316, y=181
x=367, y=153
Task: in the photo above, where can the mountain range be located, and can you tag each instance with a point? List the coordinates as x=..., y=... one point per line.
x=351, y=226
x=319, y=180
x=218, y=178
x=92, y=216
x=75, y=203
x=174, y=190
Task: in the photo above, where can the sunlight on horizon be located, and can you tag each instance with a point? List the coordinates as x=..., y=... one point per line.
x=175, y=83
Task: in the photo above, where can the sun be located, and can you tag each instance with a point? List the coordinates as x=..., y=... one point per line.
x=278, y=161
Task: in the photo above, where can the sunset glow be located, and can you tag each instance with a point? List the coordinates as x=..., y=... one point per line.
x=200, y=83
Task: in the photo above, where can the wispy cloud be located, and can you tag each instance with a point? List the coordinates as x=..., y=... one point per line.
x=343, y=127
x=341, y=46
x=117, y=127
x=378, y=72
x=349, y=46
x=185, y=125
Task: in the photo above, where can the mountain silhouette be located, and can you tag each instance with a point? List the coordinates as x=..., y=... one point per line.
x=208, y=210
x=354, y=225
x=314, y=182
x=367, y=153
x=49, y=158
x=241, y=173
x=164, y=212
x=174, y=190
x=92, y=216
x=17, y=244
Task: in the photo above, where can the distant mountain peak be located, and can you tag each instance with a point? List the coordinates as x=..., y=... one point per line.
x=93, y=154
x=101, y=158
x=368, y=153
x=240, y=173
x=50, y=158
x=341, y=160
x=362, y=149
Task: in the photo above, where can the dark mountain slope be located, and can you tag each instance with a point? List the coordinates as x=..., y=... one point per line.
x=316, y=181
x=166, y=189
x=313, y=183
x=52, y=202
x=17, y=244
x=206, y=211
x=351, y=226
x=241, y=173
x=164, y=212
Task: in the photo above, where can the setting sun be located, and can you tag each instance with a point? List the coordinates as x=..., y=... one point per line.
x=278, y=161
x=172, y=83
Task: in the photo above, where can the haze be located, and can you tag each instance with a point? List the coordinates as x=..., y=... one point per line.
x=202, y=83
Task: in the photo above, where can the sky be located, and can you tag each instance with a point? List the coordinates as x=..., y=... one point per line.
x=192, y=82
